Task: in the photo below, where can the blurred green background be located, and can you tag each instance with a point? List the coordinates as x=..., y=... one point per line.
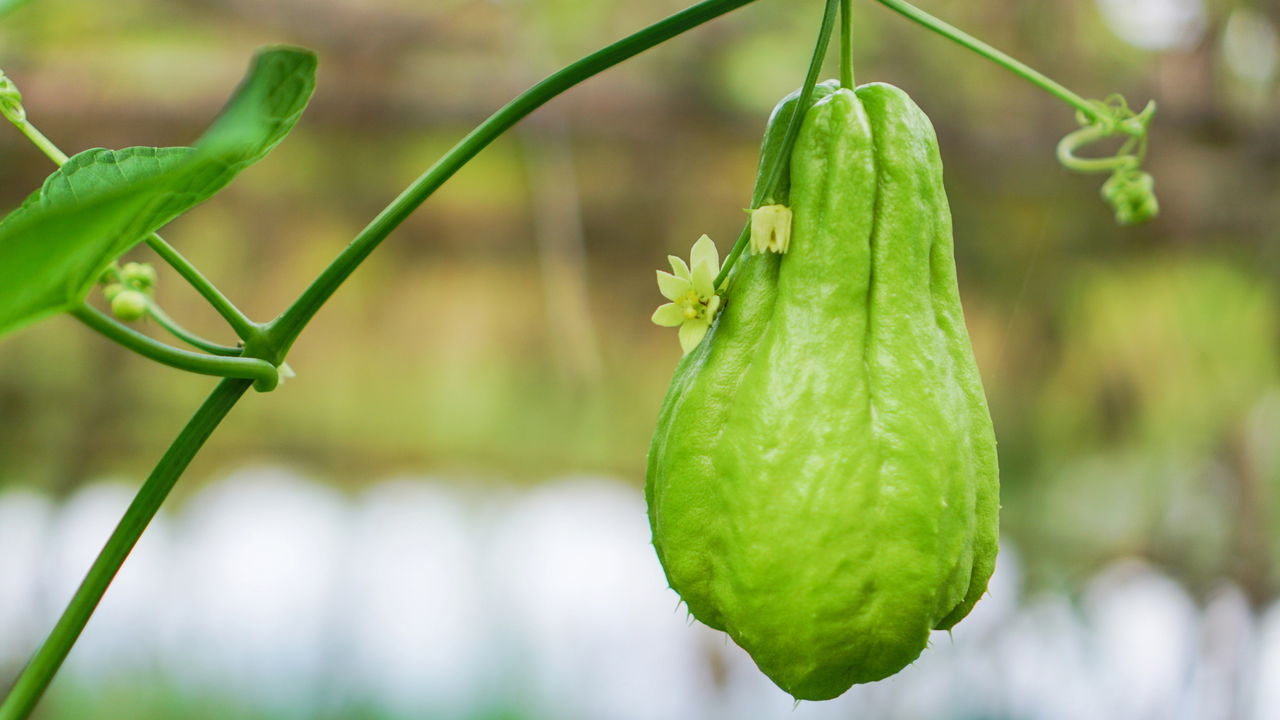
x=502, y=334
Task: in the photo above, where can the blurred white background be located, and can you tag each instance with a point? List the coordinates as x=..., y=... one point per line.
x=418, y=598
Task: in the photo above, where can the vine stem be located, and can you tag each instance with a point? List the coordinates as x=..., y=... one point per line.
x=285, y=329
x=1003, y=59
x=240, y=323
x=37, y=138
x=263, y=373
x=37, y=675
x=782, y=159
x=846, y=45
x=39, y=672
x=1085, y=136
x=178, y=331
x=773, y=173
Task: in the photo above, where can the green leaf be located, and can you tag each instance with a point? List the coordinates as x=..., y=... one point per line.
x=54, y=247
x=264, y=108
x=101, y=203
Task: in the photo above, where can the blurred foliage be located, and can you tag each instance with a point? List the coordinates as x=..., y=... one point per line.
x=1144, y=421
x=1131, y=372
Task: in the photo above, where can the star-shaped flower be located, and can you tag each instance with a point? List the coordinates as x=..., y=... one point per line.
x=691, y=291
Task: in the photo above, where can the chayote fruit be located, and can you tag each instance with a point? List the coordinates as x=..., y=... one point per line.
x=822, y=484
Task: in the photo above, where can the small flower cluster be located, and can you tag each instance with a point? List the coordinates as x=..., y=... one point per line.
x=129, y=290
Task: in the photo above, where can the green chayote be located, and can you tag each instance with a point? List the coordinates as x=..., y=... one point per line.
x=822, y=483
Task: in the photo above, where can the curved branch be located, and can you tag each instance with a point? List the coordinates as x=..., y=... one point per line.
x=244, y=328
x=999, y=57
x=172, y=327
x=285, y=329
x=263, y=373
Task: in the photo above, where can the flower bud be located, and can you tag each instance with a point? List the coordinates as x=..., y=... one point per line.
x=129, y=305
x=771, y=229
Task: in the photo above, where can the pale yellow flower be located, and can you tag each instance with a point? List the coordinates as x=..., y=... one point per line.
x=771, y=229
x=691, y=290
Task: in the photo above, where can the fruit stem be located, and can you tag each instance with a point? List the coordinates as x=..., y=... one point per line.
x=846, y=45
x=1003, y=59
x=773, y=174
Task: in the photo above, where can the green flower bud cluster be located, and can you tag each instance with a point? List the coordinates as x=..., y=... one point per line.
x=129, y=290
x=11, y=101
x=1132, y=194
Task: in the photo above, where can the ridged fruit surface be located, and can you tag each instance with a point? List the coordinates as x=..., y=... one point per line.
x=822, y=483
